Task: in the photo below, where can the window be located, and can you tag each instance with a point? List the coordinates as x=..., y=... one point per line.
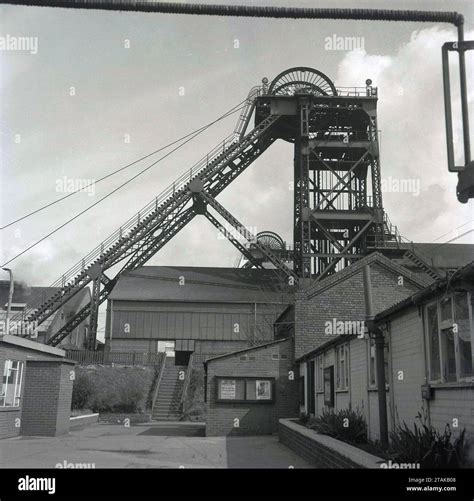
x=373, y=363
x=449, y=337
x=319, y=373
x=11, y=384
x=245, y=389
x=342, y=368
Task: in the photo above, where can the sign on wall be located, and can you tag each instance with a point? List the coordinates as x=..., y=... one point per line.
x=264, y=390
x=245, y=389
x=227, y=388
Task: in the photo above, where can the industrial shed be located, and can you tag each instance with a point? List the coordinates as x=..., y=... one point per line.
x=184, y=310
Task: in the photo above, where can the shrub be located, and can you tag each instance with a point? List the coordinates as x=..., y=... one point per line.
x=112, y=389
x=193, y=405
x=346, y=424
x=82, y=392
x=304, y=418
x=427, y=446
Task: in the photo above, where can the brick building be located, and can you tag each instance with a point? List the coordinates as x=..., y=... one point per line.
x=249, y=390
x=184, y=310
x=428, y=366
x=35, y=396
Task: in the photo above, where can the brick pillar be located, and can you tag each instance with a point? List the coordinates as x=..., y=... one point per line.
x=47, y=398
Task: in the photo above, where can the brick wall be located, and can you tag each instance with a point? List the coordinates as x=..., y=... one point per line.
x=254, y=418
x=341, y=296
x=323, y=451
x=47, y=398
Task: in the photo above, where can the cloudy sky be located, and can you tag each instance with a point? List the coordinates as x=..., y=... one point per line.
x=143, y=80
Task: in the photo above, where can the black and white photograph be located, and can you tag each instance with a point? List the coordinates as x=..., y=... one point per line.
x=236, y=241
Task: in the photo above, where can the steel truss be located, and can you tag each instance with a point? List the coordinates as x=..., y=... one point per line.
x=153, y=230
x=338, y=196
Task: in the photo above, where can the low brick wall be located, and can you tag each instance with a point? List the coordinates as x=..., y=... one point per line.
x=81, y=421
x=323, y=451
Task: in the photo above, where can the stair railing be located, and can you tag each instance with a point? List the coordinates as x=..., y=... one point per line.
x=186, y=382
x=158, y=381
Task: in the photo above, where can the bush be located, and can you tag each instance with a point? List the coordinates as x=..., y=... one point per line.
x=427, y=446
x=112, y=389
x=346, y=425
x=82, y=392
x=194, y=407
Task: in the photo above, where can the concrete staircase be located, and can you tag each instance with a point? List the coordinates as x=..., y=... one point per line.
x=168, y=398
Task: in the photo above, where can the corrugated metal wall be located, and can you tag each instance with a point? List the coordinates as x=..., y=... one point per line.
x=218, y=322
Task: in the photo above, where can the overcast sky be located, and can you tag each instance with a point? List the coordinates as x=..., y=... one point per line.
x=137, y=91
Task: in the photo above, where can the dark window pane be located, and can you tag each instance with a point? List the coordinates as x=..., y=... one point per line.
x=447, y=339
x=446, y=310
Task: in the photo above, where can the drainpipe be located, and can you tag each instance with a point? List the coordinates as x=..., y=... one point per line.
x=254, y=323
x=10, y=299
x=379, y=357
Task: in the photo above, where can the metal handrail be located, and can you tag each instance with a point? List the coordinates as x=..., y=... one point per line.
x=356, y=91
x=158, y=380
x=247, y=110
x=122, y=232
x=187, y=380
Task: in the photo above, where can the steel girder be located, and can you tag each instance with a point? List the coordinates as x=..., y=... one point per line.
x=242, y=230
x=333, y=155
x=151, y=233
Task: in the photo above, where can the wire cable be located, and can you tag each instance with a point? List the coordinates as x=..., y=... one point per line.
x=111, y=193
x=230, y=112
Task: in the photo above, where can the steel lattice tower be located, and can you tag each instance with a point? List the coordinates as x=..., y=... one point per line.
x=338, y=211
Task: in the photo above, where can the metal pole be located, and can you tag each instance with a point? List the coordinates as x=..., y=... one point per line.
x=379, y=357
x=464, y=103
x=10, y=299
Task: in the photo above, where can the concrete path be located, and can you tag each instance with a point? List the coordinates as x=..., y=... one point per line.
x=156, y=445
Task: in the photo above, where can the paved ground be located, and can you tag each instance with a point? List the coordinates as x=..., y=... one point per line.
x=157, y=445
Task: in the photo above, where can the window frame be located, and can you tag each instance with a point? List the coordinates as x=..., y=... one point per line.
x=17, y=384
x=319, y=369
x=386, y=351
x=443, y=325
x=344, y=348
